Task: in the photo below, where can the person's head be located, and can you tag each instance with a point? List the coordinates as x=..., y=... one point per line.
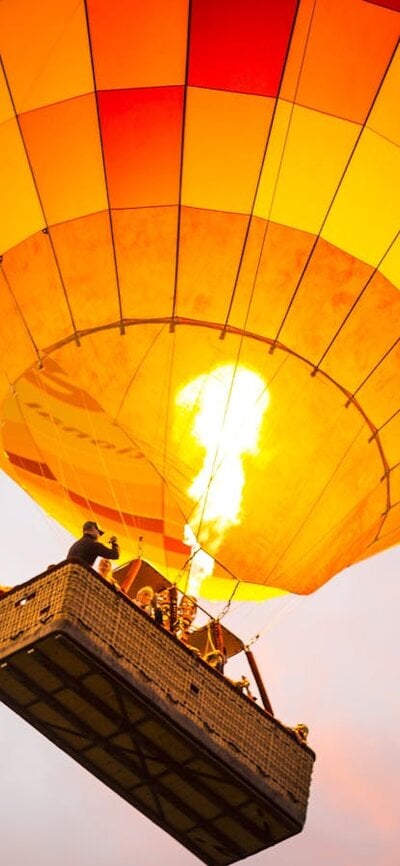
x=91, y=528
x=163, y=598
x=188, y=607
x=144, y=596
x=105, y=568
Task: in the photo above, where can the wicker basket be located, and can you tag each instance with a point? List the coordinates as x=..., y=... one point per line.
x=149, y=717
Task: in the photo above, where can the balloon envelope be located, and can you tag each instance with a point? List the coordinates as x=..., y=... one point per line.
x=199, y=305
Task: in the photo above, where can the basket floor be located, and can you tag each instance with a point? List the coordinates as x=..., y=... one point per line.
x=71, y=697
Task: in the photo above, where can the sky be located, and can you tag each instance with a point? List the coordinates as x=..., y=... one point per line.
x=330, y=660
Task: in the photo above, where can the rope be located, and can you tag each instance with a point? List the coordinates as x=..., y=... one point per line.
x=261, y=168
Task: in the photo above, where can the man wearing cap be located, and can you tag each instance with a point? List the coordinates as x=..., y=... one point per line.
x=88, y=548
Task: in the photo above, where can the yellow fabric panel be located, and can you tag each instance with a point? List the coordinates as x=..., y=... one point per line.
x=34, y=279
x=20, y=212
x=74, y=456
x=66, y=446
x=389, y=436
x=306, y=157
x=225, y=135
x=394, y=498
x=56, y=503
x=64, y=147
x=379, y=396
x=221, y=588
x=152, y=52
x=46, y=55
x=390, y=266
x=385, y=115
x=366, y=214
x=313, y=554
x=145, y=240
x=389, y=533
x=84, y=253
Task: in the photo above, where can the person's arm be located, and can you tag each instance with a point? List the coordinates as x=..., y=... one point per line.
x=108, y=552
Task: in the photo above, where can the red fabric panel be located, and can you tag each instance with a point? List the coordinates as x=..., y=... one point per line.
x=31, y=465
x=141, y=131
x=240, y=46
x=151, y=524
x=387, y=4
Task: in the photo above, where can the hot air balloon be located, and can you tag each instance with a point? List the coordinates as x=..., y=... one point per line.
x=200, y=281
x=200, y=274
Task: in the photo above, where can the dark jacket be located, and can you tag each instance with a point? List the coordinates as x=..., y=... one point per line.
x=88, y=549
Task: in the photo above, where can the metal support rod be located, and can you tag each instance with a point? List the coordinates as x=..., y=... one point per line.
x=259, y=682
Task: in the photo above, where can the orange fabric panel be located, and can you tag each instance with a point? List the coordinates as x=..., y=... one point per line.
x=224, y=144
x=45, y=51
x=16, y=348
x=66, y=449
x=209, y=251
x=300, y=514
x=64, y=149
x=138, y=44
x=145, y=241
x=28, y=266
x=115, y=363
x=84, y=253
x=326, y=293
x=268, y=278
x=389, y=436
x=364, y=339
x=141, y=132
x=6, y=105
x=348, y=42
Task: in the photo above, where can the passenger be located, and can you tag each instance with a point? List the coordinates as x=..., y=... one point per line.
x=88, y=548
x=187, y=611
x=144, y=599
x=105, y=569
x=301, y=731
x=157, y=609
x=163, y=606
x=215, y=659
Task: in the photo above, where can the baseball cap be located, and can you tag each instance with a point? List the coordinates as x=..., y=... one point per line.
x=91, y=524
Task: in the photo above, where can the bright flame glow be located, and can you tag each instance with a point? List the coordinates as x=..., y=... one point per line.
x=227, y=408
x=202, y=565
